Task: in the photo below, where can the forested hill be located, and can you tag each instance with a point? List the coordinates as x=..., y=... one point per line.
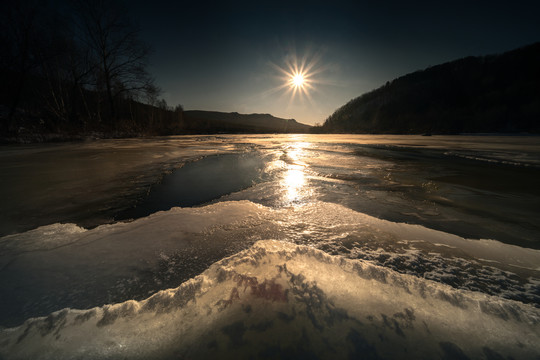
x=202, y=121
x=495, y=93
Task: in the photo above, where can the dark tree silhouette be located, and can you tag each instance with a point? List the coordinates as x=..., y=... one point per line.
x=66, y=73
x=24, y=42
x=118, y=55
x=75, y=68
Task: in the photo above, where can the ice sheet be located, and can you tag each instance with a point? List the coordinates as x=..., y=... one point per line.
x=313, y=194
x=59, y=266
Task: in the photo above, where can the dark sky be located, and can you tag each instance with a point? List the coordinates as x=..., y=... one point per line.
x=226, y=56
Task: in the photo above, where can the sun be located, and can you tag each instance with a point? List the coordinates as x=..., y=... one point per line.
x=298, y=76
x=297, y=80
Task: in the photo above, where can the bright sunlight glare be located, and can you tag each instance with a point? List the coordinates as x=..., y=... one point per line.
x=298, y=76
x=297, y=80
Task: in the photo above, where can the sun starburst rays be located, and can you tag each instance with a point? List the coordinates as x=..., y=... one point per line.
x=296, y=78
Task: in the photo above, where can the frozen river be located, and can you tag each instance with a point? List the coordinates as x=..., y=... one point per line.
x=441, y=233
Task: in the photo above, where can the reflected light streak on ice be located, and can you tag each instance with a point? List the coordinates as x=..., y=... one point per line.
x=294, y=181
x=294, y=178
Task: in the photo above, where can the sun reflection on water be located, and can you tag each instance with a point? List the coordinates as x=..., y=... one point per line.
x=294, y=181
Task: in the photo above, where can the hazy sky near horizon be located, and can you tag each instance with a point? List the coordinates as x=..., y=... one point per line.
x=226, y=56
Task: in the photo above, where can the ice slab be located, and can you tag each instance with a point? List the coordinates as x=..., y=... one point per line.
x=281, y=300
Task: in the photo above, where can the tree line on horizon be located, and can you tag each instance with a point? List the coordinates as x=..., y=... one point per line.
x=79, y=66
x=487, y=94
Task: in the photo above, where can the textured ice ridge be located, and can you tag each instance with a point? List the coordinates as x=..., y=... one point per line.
x=278, y=299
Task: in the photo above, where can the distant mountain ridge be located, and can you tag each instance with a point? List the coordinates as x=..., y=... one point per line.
x=494, y=93
x=215, y=121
